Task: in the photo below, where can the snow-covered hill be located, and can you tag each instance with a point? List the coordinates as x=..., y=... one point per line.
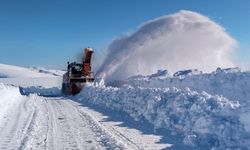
x=8, y=71
x=35, y=76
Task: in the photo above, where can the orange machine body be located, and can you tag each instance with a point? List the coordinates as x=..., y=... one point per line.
x=78, y=74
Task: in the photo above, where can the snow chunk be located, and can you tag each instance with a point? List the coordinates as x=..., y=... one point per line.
x=228, y=70
x=184, y=73
x=160, y=74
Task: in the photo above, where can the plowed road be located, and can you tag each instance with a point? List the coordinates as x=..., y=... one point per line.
x=58, y=123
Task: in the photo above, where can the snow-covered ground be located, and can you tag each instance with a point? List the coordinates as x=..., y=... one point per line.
x=21, y=76
x=187, y=110
x=8, y=71
x=36, y=122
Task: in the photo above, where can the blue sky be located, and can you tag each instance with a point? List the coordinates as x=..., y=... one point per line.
x=50, y=32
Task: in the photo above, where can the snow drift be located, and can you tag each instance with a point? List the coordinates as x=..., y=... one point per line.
x=178, y=41
x=232, y=83
x=200, y=107
x=10, y=96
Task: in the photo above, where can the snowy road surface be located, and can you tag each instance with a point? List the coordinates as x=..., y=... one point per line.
x=36, y=122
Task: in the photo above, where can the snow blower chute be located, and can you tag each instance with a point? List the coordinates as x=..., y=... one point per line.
x=78, y=74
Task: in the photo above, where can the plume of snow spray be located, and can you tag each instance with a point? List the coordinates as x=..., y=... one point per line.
x=178, y=41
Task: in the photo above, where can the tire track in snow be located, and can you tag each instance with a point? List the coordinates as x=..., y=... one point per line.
x=130, y=137
x=126, y=142
x=100, y=134
x=28, y=127
x=60, y=136
x=16, y=130
x=8, y=132
x=59, y=123
x=49, y=141
x=36, y=138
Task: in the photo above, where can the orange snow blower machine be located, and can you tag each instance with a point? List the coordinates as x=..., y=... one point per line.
x=78, y=74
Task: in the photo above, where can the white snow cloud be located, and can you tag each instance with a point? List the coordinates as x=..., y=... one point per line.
x=184, y=40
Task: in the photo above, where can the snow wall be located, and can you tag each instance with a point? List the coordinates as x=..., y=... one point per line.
x=10, y=96
x=201, y=107
x=231, y=83
x=41, y=91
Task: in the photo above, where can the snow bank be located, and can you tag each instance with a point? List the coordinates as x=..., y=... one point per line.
x=232, y=83
x=9, y=97
x=211, y=110
x=203, y=119
x=41, y=91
